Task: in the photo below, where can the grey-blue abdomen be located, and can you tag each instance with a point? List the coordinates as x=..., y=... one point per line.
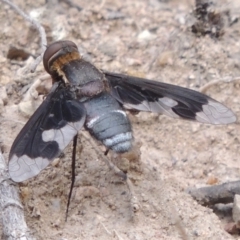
x=108, y=123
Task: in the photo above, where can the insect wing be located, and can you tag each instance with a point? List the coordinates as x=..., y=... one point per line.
x=46, y=134
x=171, y=100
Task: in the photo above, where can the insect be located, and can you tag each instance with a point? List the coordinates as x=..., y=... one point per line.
x=84, y=97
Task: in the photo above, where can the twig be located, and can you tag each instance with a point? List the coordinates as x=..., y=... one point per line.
x=105, y=228
x=38, y=27
x=32, y=91
x=204, y=88
x=14, y=225
x=117, y=234
x=223, y=193
x=102, y=4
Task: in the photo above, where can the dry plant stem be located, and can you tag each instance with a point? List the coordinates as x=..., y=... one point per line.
x=204, y=88
x=117, y=234
x=223, y=193
x=29, y=95
x=40, y=29
x=13, y=222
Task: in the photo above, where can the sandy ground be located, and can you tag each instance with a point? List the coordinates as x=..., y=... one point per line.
x=146, y=38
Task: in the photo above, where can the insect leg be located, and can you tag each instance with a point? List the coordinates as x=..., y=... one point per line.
x=73, y=173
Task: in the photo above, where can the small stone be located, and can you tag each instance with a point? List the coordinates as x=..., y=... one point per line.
x=212, y=180
x=110, y=46
x=154, y=215
x=123, y=164
x=17, y=53
x=55, y=162
x=26, y=108
x=166, y=58
x=57, y=223
x=5, y=80
x=191, y=77
x=145, y=36
x=236, y=210
x=197, y=173
x=36, y=212
x=56, y=204
x=231, y=228
x=25, y=193
x=144, y=197
x=86, y=192
x=3, y=95
x=136, y=207
x=2, y=59
x=1, y=106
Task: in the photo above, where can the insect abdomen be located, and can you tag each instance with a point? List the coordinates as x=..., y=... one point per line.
x=108, y=123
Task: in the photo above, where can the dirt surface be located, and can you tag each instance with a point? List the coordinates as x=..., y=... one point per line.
x=146, y=38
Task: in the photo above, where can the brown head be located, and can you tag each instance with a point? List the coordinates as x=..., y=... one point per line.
x=55, y=51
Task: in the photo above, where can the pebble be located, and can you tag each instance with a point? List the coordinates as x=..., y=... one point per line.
x=86, y=192
x=145, y=36
x=166, y=58
x=3, y=95
x=236, y=210
x=26, y=108
x=212, y=180
x=191, y=77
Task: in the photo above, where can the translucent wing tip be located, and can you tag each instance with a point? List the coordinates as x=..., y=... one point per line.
x=216, y=113
x=23, y=168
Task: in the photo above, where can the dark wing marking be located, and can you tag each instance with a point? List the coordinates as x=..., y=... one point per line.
x=174, y=101
x=46, y=134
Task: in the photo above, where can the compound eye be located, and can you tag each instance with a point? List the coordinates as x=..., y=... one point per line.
x=55, y=50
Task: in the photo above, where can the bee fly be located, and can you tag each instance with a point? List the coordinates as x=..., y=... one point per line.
x=83, y=96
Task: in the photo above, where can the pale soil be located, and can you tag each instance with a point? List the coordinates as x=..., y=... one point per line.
x=175, y=154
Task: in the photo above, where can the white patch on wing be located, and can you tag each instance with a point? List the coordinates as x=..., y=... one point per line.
x=117, y=139
x=163, y=105
x=215, y=113
x=168, y=102
x=63, y=135
x=23, y=168
x=49, y=135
